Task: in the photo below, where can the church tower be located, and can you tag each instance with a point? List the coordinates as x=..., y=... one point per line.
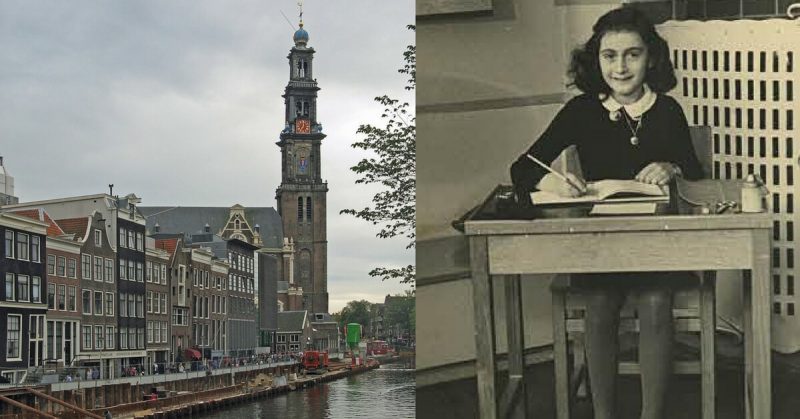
x=302, y=194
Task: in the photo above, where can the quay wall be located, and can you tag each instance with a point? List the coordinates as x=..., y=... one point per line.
x=110, y=393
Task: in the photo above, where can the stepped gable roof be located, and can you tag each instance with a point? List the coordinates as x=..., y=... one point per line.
x=291, y=321
x=191, y=220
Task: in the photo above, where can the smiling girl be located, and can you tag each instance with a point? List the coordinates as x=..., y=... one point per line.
x=623, y=127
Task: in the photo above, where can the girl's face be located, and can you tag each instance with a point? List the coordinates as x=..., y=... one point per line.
x=623, y=63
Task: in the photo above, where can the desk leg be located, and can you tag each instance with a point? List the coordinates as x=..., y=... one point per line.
x=484, y=328
x=747, y=322
x=513, y=404
x=707, y=346
x=760, y=353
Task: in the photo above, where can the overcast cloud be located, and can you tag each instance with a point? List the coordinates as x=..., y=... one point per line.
x=180, y=102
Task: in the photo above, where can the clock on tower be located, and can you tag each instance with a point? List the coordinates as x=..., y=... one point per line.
x=302, y=126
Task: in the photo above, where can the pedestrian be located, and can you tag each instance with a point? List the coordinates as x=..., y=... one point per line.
x=88, y=373
x=68, y=378
x=107, y=415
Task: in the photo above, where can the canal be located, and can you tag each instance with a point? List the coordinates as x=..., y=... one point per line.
x=387, y=392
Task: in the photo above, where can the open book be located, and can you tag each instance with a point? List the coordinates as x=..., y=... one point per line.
x=608, y=190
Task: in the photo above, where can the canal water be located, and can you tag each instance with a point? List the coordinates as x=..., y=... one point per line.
x=387, y=392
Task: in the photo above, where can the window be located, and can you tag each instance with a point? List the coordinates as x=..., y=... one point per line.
x=149, y=332
x=308, y=209
x=121, y=242
x=61, y=267
x=164, y=303
x=294, y=338
x=36, y=289
x=98, y=337
x=300, y=208
x=140, y=306
x=71, y=267
x=10, y=287
x=86, y=266
x=131, y=270
x=98, y=302
x=86, y=297
x=281, y=338
x=148, y=273
x=22, y=246
x=87, y=337
x=62, y=297
x=51, y=296
x=109, y=337
x=140, y=338
x=109, y=304
x=163, y=331
x=51, y=264
x=36, y=249
x=98, y=239
x=131, y=240
x=164, y=274
x=139, y=271
x=131, y=305
x=98, y=268
x=23, y=288
x=123, y=305
x=14, y=337
x=123, y=338
x=150, y=301
x=71, y=300
x=9, y=244
x=140, y=242
x=122, y=269
x=109, y=271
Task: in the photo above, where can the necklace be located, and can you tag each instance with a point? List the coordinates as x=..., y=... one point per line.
x=634, y=131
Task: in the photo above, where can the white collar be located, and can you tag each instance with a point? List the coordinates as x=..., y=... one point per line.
x=635, y=109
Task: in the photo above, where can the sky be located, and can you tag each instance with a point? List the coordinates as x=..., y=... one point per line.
x=180, y=103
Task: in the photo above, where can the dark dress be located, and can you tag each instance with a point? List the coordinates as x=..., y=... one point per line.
x=605, y=152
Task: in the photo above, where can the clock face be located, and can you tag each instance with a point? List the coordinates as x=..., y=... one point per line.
x=302, y=126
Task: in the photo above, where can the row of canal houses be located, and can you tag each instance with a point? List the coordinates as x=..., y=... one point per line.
x=86, y=286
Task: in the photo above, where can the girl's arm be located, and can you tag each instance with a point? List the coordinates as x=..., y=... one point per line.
x=561, y=133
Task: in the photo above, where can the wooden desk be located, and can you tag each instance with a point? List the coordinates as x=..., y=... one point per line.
x=510, y=248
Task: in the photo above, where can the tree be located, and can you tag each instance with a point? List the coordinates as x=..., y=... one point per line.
x=356, y=312
x=393, y=167
x=399, y=313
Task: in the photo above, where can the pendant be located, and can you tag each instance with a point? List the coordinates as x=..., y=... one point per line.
x=634, y=140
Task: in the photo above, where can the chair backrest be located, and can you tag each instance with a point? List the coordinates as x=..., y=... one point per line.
x=701, y=140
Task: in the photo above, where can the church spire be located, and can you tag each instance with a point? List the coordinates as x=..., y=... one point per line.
x=300, y=36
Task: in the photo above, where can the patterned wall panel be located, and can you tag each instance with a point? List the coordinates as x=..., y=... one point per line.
x=741, y=79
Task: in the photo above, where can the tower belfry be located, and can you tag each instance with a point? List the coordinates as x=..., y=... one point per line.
x=301, y=197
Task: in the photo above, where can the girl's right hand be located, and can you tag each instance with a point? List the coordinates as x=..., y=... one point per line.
x=553, y=184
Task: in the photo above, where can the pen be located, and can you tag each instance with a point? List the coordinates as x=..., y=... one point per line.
x=553, y=171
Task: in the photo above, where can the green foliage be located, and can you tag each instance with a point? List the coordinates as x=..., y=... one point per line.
x=355, y=312
x=393, y=167
x=399, y=313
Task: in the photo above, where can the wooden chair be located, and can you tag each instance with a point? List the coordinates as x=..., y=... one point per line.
x=693, y=311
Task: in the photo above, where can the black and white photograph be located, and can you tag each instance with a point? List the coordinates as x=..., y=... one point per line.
x=605, y=209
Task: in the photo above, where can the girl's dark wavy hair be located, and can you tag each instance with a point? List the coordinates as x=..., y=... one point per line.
x=584, y=69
